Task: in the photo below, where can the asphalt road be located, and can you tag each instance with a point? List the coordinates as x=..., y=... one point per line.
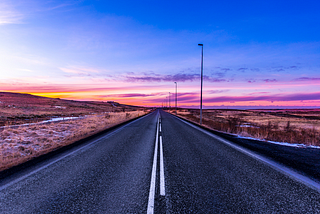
x=157, y=164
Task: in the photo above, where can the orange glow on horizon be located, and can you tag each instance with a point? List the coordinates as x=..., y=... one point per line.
x=151, y=94
x=145, y=102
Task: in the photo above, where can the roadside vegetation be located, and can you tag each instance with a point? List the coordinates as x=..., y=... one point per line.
x=24, y=134
x=298, y=126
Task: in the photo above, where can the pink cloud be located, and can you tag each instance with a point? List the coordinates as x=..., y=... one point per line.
x=132, y=95
x=271, y=98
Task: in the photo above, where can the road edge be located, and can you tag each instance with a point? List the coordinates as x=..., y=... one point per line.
x=12, y=170
x=280, y=167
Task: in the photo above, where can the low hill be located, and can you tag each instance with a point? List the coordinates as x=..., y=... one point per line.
x=18, y=108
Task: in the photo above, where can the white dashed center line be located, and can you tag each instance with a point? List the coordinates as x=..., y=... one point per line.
x=162, y=189
x=152, y=191
x=153, y=175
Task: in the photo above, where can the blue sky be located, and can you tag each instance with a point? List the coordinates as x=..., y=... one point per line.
x=133, y=51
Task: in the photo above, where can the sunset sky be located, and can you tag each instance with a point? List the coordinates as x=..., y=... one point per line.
x=256, y=53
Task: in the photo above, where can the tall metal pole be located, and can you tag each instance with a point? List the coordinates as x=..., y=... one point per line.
x=201, y=82
x=169, y=103
x=176, y=97
x=166, y=102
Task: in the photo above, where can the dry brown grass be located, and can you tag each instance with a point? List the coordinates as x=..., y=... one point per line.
x=21, y=144
x=18, y=108
x=291, y=126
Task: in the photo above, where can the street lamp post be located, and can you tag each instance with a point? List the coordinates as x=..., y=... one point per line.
x=166, y=102
x=201, y=82
x=169, y=103
x=176, y=97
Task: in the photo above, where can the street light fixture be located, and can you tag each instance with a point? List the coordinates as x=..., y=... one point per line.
x=201, y=45
x=176, y=97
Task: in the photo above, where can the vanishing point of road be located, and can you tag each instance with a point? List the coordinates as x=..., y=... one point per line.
x=158, y=164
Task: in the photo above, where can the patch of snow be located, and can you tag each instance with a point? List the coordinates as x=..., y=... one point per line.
x=58, y=119
x=45, y=121
x=282, y=143
x=248, y=126
x=60, y=107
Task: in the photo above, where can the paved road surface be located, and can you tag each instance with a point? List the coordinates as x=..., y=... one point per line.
x=157, y=166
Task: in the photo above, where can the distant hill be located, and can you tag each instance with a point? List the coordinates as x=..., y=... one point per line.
x=17, y=108
x=28, y=100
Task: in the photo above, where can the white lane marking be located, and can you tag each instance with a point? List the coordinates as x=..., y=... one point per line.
x=57, y=160
x=160, y=128
x=152, y=190
x=162, y=187
x=279, y=167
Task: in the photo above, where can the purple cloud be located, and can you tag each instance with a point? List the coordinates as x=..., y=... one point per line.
x=170, y=78
x=216, y=91
x=242, y=69
x=135, y=95
x=270, y=80
x=293, y=67
x=210, y=79
x=277, y=97
x=225, y=69
x=219, y=74
x=255, y=69
x=131, y=95
x=165, y=78
x=307, y=79
x=182, y=97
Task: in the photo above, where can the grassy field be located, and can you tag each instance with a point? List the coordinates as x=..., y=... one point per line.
x=23, y=136
x=18, y=108
x=299, y=126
